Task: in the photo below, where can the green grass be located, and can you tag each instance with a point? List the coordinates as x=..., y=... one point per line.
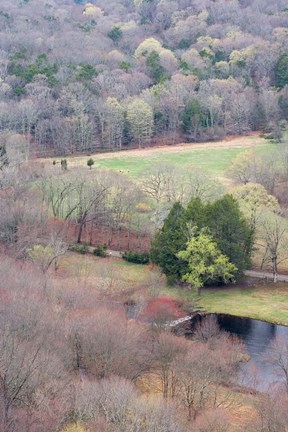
x=267, y=302
x=213, y=158
x=129, y=165
x=75, y=265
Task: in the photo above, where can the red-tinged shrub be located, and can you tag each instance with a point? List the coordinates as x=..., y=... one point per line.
x=160, y=310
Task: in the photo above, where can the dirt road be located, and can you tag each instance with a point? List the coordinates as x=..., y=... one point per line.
x=265, y=275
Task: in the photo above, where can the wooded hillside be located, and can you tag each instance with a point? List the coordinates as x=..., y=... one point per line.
x=77, y=77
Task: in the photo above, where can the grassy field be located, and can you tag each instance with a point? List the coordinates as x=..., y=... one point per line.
x=213, y=157
x=215, y=161
x=267, y=302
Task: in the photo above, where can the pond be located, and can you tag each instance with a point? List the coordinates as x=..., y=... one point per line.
x=257, y=337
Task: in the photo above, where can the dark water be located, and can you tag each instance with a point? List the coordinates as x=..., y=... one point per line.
x=257, y=337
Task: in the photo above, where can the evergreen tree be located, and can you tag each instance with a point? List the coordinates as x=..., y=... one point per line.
x=157, y=72
x=223, y=222
x=3, y=156
x=281, y=71
x=192, y=118
x=90, y=163
x=64, y=164
x=195, y=214
x=168, y=241
x=115, y=34
x=230, y=230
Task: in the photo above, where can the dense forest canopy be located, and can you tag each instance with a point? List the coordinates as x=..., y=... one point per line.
x=78, y=76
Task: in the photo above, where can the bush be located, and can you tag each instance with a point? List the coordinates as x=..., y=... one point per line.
x=100, y=250
x=136, y=257
x=90, y=163
x=64, y=164
x=81, y=248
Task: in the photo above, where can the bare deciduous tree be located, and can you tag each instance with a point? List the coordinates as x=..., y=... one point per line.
x=277, y=356
x=274, y=235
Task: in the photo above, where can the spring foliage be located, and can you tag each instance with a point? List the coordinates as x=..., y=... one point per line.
x=205, y=262
x=217, y=232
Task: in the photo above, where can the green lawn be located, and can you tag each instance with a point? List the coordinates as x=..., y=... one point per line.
x=213, y=157
x=213, y=160
x=265, y=302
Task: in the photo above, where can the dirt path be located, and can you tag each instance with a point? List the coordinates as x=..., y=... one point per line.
x=109, y=252
x=250, y=273
x=265, y=275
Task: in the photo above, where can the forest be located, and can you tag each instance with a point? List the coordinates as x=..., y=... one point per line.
x=103, y=251
x=81, y=77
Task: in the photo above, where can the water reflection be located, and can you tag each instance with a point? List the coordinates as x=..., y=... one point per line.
x=257, y=337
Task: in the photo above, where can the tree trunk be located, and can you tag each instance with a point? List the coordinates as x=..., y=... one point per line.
x=275, y=271
x=81, y=225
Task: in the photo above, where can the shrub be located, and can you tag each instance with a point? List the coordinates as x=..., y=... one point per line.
x=136, y=257
x=100, y=250
x=90, y=163
x=64, y=164
x=81, y=248
x=161, y=310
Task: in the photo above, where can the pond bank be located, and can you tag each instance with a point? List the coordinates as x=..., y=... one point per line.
x=262, y=341
x=263, y=301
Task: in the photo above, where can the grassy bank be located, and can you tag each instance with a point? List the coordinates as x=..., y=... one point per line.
x=267, y=302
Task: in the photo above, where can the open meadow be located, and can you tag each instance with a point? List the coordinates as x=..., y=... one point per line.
x=213, y=157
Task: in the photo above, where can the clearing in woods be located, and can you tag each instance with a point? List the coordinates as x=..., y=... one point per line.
x=213, y=157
